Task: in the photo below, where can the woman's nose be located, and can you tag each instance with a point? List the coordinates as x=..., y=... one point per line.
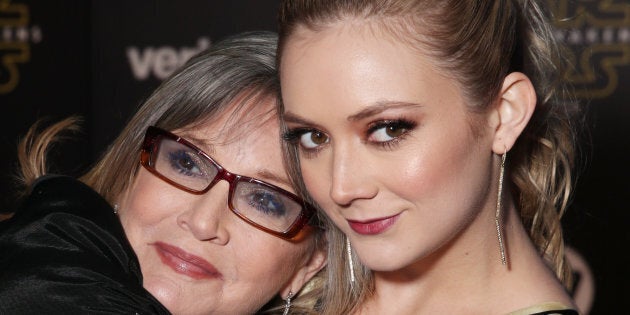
x=206, y=217
x=350, y=177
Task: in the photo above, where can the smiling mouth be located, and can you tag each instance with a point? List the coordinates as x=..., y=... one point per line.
x=186, y=263
x=373, y=227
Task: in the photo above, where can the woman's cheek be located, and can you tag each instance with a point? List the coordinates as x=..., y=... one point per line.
x=314, y=181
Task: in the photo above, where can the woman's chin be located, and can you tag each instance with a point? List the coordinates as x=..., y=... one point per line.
x=167, y=291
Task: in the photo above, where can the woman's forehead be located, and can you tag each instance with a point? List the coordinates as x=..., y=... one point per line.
x=236, y=123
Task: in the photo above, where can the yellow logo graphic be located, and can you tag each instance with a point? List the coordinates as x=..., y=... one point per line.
x=598, y=33
x=14, y=18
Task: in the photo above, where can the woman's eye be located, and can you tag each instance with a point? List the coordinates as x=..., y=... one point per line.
x=184, y=163
x=386, y=131
x=313, y=139
x=268, y=203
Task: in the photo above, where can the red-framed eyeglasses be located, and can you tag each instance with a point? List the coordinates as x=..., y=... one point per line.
x=183, y=165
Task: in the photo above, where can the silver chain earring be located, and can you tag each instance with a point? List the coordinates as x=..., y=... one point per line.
x=116, y=206
x=287, y=303
x=350, y=263
x=497, y=216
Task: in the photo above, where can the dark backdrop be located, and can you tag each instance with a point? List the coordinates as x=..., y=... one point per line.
x=100, y=59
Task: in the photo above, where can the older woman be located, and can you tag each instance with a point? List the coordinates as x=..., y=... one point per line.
x=190, y=211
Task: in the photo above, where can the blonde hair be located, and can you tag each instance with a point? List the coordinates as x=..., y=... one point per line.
x=239, y=71
x=478, y=43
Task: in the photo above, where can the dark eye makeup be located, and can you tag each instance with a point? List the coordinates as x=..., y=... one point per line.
x=385, y=133
x=393, y=128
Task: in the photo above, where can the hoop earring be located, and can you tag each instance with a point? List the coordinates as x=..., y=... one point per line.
x=350, y=263
x=287, y=303
x=116, y=206
x=497, y=216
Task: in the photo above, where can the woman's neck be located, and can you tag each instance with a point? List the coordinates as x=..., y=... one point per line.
x=466, y=275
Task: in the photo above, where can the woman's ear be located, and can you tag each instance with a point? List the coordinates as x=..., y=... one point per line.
x=316, y=262
x=517, y=102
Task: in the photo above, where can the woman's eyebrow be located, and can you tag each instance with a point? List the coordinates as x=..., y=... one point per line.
x=380, y=107
x=293, y=118
x=203, y=144
x=261, y=174
x=369, y=111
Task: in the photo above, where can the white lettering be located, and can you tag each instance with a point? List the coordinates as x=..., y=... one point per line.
x=21, y=34
x=592, y=35
x=608, y=36
x=36, y=34
x=140, y=62
x=163, y=61
x=559, y=35
x=575, y=37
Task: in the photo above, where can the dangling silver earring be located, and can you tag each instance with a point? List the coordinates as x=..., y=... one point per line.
x=497, y=216
x=350, y=263
x=116, y=206
x=287, y=303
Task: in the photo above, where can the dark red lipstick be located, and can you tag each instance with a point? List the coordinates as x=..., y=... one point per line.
x=186, y=263
x=374, y=226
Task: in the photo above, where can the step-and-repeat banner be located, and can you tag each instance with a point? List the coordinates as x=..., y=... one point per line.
x=100, y=59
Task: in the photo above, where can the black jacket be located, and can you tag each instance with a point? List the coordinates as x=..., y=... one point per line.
x=65, y=252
